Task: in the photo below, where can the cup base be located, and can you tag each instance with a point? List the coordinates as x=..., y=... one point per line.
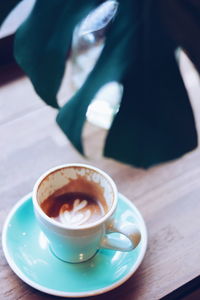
x=70, y=262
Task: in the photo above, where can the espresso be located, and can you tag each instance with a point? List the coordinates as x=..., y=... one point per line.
x=73, y=209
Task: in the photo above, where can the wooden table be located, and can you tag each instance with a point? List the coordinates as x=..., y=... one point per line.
x=168, y=196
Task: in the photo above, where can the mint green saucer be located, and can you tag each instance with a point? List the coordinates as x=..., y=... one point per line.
x=27, y=252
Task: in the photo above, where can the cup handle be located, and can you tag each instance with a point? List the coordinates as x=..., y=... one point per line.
x=129, y=230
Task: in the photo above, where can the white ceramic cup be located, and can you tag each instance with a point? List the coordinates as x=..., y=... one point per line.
x=78, y=244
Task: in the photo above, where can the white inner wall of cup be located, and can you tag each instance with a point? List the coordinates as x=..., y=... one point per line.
x=60, y=177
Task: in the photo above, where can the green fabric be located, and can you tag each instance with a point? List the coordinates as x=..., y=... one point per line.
x=46, y=38
x=183, y=25
x=155, y=122
x=159, y=121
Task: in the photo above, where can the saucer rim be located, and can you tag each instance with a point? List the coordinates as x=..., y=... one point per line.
x=55, y=292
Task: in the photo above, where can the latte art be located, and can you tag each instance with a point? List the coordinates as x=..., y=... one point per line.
x=79, y=214
x=73, y=209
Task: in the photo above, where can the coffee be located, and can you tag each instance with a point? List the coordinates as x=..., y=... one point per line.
x=73, y=209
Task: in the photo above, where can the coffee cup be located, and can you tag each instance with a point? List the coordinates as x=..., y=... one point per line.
x=75, y=207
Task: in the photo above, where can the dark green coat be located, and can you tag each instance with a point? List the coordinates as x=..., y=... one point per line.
x=155, y=122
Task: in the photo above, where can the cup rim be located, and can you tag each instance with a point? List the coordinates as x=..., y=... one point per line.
x=60, y=225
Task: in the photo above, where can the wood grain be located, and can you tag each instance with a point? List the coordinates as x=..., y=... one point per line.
x=167, y=195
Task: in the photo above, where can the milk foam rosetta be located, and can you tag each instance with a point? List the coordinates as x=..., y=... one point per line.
x=78, y=215
x=73, y=209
